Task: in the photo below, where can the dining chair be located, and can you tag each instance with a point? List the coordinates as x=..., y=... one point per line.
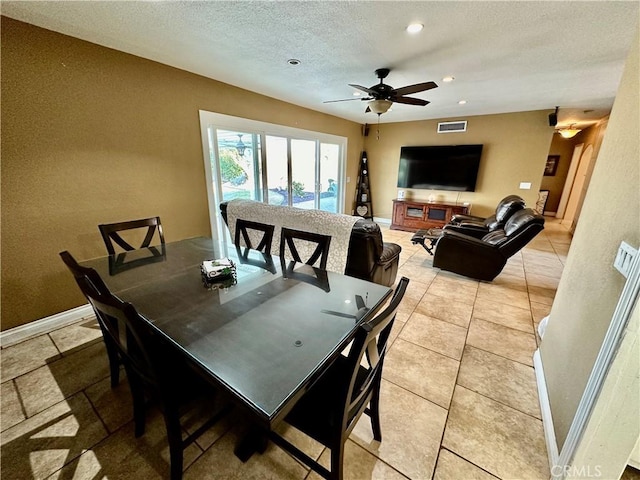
x=89, y=281
x=288, y=238
x=152, y=367
x=110, y=233
x=243, y=228
x=330, y=409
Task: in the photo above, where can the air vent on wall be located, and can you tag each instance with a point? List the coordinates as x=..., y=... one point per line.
x=452, y=127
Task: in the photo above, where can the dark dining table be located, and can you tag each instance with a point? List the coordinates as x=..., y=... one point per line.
x=265, y=339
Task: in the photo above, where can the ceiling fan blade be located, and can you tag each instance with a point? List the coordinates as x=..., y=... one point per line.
x=364, y=89
x=418, y=87
x=411, y=101
x=344, y=100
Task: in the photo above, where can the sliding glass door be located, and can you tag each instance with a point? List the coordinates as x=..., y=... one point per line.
x=272, y=164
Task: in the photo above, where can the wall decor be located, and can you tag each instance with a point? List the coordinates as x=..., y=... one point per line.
x=551, y=166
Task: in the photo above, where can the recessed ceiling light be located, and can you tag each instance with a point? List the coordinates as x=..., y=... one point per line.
x=462, y=102
x=448, y=79
x=293, y=61
x=415, y=27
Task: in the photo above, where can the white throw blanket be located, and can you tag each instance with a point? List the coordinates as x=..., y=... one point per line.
x=338, y=226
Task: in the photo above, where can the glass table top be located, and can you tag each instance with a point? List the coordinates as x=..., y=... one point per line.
x=264, y=339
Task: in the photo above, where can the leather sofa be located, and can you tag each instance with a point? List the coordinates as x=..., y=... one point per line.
x=484, y=258
x=479, y=226
x=368, y=257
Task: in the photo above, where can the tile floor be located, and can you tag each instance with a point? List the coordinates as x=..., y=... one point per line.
x=459, y=398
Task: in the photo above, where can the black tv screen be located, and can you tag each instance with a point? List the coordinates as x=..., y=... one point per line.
x=441, y=167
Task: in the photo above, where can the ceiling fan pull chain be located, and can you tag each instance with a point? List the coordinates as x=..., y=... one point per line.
x=378, y=129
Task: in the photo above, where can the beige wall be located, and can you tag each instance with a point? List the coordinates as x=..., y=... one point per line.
x=92, y=135
x=515, y=150
x=589, y=288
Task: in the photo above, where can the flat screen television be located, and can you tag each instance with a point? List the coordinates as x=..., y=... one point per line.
x=441, y=167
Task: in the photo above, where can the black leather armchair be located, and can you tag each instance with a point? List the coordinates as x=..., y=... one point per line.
x=479, y=226
x=484, y=258
x=368, y=257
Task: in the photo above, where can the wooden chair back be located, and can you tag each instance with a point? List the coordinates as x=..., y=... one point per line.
x=110, y=233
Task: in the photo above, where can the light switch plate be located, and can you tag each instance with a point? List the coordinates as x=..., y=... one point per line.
x=624, y=258
x=525, y=185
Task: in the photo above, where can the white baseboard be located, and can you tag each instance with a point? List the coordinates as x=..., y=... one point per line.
x=549, y=214
x=545, y=410
x=44, y=325
x=384, y=221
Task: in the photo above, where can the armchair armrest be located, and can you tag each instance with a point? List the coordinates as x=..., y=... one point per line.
x=461, y=217
x=471, y=229
x=390, y=252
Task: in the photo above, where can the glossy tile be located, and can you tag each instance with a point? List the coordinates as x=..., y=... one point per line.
x=26, y=356
x=77, y=335
x=44, y=443
x=542, y=295
x=503, y=341
x=539, y=311
x=511, y=281
x=62, y=378
x=501, y=294
x=447, y=309
x=219, y=462
x=411, y=427
x=122, y=455
x=442, y=337
x=422, y=371
x=501, y=379
x=482, y=431
x=113, y=405
x=452, y=467
x=359, y=464
x=503, y=314
x=11, y=410
x=455, y=287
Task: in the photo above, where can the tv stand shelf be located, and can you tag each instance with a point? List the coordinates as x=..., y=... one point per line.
x=412, y=216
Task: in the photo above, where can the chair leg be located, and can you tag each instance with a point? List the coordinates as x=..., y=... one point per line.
x=114, y=368
x=374, y=414
x=174, y=435
x=114, y=361
x=139, y=407
x=337, y=454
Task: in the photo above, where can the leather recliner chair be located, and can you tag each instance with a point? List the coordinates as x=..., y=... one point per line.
x=479, y=226
x=484, y=258
x=368, y=258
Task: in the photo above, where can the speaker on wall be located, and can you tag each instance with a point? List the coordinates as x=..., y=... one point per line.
x=553, y=118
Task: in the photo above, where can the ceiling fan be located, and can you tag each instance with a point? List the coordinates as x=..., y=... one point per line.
x=382, y=96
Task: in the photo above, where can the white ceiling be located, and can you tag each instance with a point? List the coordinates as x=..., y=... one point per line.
x=505, y=56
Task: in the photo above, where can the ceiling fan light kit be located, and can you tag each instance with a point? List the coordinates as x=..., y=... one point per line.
x=379, y=106
x=380, y=97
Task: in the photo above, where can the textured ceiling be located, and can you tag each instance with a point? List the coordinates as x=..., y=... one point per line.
x=505, y=56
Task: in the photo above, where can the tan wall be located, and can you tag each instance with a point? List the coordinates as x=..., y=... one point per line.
x=589, y=288
x=515, y=150
x=92, y=135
